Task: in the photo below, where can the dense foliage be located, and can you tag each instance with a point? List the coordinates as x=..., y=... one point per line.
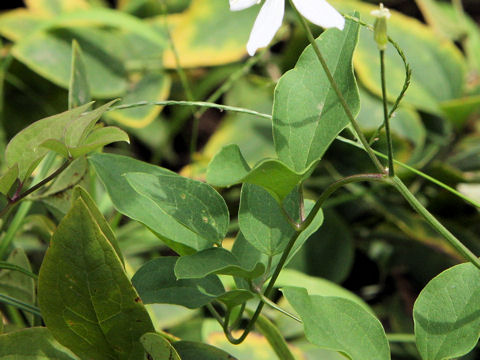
x=165, y=196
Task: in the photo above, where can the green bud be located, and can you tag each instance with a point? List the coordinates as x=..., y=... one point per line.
x=380, y=27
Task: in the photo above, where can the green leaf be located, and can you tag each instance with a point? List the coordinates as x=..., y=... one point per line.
x=446, y=314
x=229, y=167
x=318, y=286
x=339, y=324
x=152, y=86
x=262, y=222
x=235, y=297
x=307, y=115
x=214, y=261
x=56, y=146
x=437, y=64
x=79, y=192
x=99, y=138
x=111, y=168
x=77, y=132
x=8, y=179
x=158, y=348
x=34, y=344
x=85, y=297
x=180, y=202
x=71, y=176
x=189, y=350
x=49, y=53
x=16, y=284
x=18, y=23
x=79, y=89
x=25, y=148
x=156, y=283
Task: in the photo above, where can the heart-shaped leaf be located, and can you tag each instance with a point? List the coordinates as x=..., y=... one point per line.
x=447, y=314
x=339, y=324
x=307, y=115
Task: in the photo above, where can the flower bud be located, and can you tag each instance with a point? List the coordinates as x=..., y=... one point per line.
x=380, y=27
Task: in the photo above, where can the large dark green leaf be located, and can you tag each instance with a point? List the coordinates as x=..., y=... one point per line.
x=111, y=170
x=86, y=299
x=307, y=115
x=214, y=261
x=447, y=314
x=182, y=202
x=156, y=283
x=339, y=324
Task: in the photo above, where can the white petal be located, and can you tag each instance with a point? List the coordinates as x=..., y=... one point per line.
x=320, y=13
x=268, y=22
x=237, y=5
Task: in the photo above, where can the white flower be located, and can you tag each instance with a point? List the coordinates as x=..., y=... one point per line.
x=271, y=14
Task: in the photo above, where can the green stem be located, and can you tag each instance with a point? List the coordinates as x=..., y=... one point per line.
x=20, y=304
x=417, y=172
x=442, y=230
x=17, y=198
x=403, y=338
x=386, y=120
x=23, y=209
x=334, y=187
x=339, y=94
x=192, y=103
x=278, y=308
x=8, y=266
x=266, y=293
x=298, y=230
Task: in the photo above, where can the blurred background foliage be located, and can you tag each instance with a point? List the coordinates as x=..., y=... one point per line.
x=151, y=50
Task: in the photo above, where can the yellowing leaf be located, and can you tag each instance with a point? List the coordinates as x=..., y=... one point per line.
x=208, y=34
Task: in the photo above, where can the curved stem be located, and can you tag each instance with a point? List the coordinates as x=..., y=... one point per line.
x=298, y=230
x=20, y=304
x=442, y=230
x=339, y=94
x=8, y=266
x=386, y=120
x=334, y=187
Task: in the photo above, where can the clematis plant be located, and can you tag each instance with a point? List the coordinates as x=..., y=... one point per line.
x=270, y=18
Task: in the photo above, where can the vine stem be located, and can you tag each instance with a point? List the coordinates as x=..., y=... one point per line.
x=339, y=94
x=299, y=228
x=391, y=170
x=192, y=103
x=25, y=206
x=20, y=304
x=442, y=230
